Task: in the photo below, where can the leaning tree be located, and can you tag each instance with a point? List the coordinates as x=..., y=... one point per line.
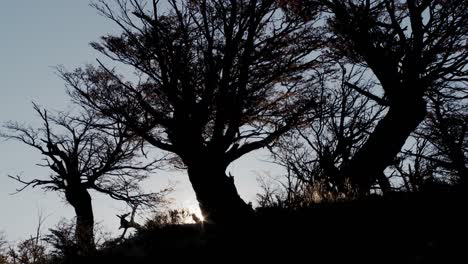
x=413, y=47
x=214, y=80
x=443, y=139
x=85, y=154
x=314, y=153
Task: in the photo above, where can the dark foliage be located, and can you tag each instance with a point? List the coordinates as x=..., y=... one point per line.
x=215, y=80
x=363, y=102
x=415, y=49
x=84, y=155
x=394, y=229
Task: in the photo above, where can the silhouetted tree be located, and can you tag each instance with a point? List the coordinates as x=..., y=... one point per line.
x=442, y=142
x=412, y=47
x=86, y=155
x=62, y=245
x=412, y=168
x=28, y=251
x=446, y=129
x=62, y=241
x=31, y=250
x=215, y=80
x=315, y=153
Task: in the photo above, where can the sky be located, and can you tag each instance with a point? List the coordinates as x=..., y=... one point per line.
x=35, y=37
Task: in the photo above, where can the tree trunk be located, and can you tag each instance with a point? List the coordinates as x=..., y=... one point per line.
x=80, y=199
x=384, y=183
x=458, y=158
x=381, y=148
x=216, y=192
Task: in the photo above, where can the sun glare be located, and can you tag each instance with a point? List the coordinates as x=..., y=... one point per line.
x=195, y=210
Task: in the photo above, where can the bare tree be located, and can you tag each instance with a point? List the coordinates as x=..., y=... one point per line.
x=412, y=47
x=412, y=168
x=215, y=80
x=86, y=155
x=446, y=129
x=315, y=153
x=442, y=140
x=31, y=250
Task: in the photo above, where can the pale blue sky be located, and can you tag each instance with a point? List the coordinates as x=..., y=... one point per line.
x=35, y=36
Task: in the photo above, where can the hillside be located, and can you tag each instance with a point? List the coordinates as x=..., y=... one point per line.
x=402, y=228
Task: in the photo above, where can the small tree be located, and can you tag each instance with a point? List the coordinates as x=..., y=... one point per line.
x=215, y=80
x=86, y=155
x=31, y=250
x=61, y=239
x=62, y=245
x=28, y=251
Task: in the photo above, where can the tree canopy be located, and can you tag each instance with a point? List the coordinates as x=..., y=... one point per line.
x=214, y=81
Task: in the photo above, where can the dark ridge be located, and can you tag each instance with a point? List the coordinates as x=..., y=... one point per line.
x=400, y=228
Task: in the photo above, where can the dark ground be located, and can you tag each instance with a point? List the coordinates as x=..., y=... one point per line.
x=401, y=228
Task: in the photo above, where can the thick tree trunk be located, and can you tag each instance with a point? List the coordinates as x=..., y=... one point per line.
x=84, y=230
x=216, y=192
x=381, y=148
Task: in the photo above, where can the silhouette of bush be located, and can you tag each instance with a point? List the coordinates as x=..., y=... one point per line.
x=435, y=185
x=170, y=217
x=282, y=193
x=62, y=240
x=3, y=249
x=29, y=251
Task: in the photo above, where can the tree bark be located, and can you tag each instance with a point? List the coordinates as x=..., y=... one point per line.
x=381, y=148
x=80, y=199
x=216, y=192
